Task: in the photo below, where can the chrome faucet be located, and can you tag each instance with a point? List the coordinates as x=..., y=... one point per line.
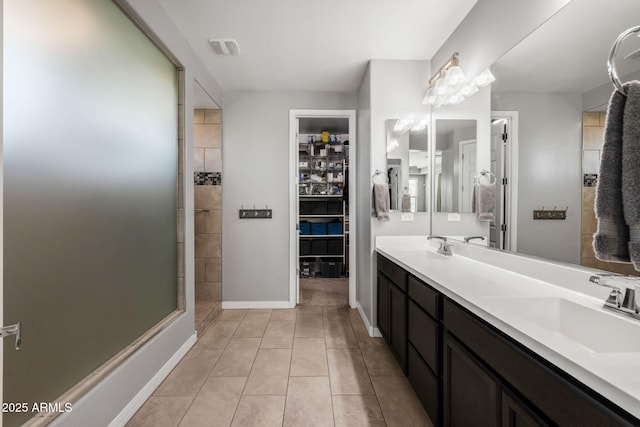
x=467, y=239
x=627, y=303
x=444, y=248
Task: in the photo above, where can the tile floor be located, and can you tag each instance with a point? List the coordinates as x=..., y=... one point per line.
x=314, y=365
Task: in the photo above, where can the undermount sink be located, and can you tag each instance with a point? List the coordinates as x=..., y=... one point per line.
x=595, y=329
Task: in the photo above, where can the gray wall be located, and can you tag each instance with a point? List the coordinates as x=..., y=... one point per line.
x=549, y=169
x=255, y=129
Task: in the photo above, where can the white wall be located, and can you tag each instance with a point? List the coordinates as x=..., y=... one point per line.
x=111, y=396
x=255, y=129
x=549, y=171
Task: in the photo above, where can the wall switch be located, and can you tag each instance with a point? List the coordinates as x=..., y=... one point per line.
x=453, y=217
x=406, y=217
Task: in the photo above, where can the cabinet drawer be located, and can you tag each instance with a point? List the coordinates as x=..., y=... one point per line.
x=425, y=384
x=553, y=392
x=427, y=298
x=396, y=274
x=423, y=334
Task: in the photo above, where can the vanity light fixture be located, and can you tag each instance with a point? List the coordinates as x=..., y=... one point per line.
x=449, y=85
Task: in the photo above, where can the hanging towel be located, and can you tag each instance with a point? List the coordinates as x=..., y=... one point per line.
x=380, y=199
x=611, y=241
x=631, y=169
x=486, y=199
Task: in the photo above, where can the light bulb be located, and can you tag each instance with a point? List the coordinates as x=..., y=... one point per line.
x=485, y=78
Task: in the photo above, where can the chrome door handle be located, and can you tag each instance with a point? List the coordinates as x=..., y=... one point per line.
x=12, y=330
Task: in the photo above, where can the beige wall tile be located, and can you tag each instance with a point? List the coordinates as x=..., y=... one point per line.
x=589, y=222
x=205, y=196
x=213, y=221
x=198, y=160
x=308, y=402
x=213, y=116
x=180, y=259
x=199, y=221
x=205, y=245
x=207, y=291
x=213, y=270
x=591, y=119
x=603, y=119
x=587, y=246
x=309, y=358
x=592, y=138
x=180, y=155
x=161, y=412
x=212, y=160
x=588, y=198
x=270, y=373
x=216, y=403
x=263, y=411
x=589, y=262
x=207, y=136
x=180, y=226
x=180, y=191
x=198, y=116
x=181, y=296
x=347, y=372
x=199, y=270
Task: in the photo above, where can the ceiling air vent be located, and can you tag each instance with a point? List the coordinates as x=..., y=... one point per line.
x=225, y=46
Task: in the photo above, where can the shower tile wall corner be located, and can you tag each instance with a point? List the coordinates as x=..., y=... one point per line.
x=208, y=204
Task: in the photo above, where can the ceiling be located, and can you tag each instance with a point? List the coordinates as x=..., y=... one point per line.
x=312, y=45
x=568, y=53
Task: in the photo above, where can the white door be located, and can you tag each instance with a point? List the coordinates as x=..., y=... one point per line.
x=499, y=228
x=467, y=173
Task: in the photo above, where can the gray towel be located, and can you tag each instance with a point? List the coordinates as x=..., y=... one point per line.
x=380, y=200
x=610, y=243
x=486, y=200
x=631, y=169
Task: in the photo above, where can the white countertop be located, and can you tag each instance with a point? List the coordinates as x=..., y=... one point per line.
x=550, y=308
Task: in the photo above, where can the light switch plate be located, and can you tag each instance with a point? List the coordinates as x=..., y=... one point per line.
x=404, y=217
x=453, y=217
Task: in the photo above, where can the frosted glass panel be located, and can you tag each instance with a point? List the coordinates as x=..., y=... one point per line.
x=90, y=197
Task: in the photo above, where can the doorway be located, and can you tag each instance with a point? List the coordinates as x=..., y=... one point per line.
x=322, y=205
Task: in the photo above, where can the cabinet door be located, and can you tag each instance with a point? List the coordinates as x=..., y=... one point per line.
x=471, y=395
x=398, y=327
x=516, y=414
x=383, y=305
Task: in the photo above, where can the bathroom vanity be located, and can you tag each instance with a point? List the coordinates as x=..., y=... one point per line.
x=494, y=339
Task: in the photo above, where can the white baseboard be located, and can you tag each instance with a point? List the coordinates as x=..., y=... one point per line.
x=373, y=332
x=230, y=305
x=136, y=403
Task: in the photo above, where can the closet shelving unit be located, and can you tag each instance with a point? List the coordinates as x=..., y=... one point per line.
x=322, y=177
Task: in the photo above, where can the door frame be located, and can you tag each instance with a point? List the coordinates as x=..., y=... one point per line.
x=511, y=167
x=294, y=115
x=461, y=182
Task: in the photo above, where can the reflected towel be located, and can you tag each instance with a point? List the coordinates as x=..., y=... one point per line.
x=380, y=201
x=610, y=243
x=486, y=200
x=631, y=169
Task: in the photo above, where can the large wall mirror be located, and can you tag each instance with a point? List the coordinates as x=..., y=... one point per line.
x=408, y=164
x=455, y=165
x=548, y=119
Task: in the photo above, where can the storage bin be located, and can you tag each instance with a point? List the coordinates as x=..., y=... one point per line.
x=305, y=227
x=306, y=207
x=319, y=228
x=334, y=247
x=334, y=228
x=331, y=268
x=318, y=247
x=308, y=268
x=334, y=207
x=318, y=207
x=305, y=247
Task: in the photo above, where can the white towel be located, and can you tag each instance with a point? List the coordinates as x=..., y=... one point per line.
x=380, y=200
x=486, y=200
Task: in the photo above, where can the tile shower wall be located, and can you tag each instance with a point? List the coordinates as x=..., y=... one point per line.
x=592, y=138
x=208, y=205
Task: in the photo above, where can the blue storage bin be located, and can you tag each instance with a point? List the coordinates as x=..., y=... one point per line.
x=305, y=228
x=319, y=228
x=334, y=228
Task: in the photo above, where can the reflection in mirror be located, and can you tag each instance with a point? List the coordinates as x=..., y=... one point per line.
x=547, y=130
x=408, y=164
x=455, y=167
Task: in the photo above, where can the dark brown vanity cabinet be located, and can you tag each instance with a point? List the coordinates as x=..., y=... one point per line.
x=392, y=308
x=468, y=373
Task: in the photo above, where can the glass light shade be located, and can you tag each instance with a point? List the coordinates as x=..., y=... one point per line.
x=430, y=97
x=455, y=76
x=485, y=78
x=468, y=90
x=441, y=87
x=454, y=99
